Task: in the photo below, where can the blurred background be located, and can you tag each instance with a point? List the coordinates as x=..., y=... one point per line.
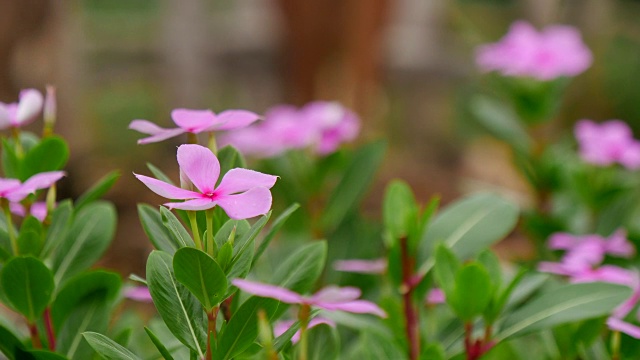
x=403, y=65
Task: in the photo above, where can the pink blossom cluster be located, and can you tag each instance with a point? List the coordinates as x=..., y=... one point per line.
x=556, y=51
x=607, y=143
x=582, y=262
x=320, y=125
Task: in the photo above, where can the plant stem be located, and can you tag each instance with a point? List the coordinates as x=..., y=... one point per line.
x=211, y=329
x=10, y=229
x=192, y=138
x=35, y=338
x=303, y=316
x=212, y=143
x=615, y=345
x=210, y=244
x=194, y=229
x=48, y=325
x=15, y=131
x=410, y=313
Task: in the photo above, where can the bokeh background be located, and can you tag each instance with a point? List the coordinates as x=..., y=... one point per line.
x=403, y=65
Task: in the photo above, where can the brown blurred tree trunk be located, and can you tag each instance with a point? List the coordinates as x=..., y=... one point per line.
x=332, y=49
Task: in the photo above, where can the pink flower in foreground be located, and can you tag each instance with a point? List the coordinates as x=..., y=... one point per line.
x=607, y=143
x=554, y=52
x=195, y=122
x=321, y=125
x=241, y=193
x=377, y=266
x=138, y=293
x=37, y=209
x=616, y=320
x=282, y=326
x=15, y=191
x=329, y=298
x=23, y=112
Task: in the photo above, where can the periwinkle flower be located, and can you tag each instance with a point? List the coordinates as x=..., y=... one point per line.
x=15, y=191
x=377, y=266
x=282, y=326
x=23, y=112
x=37, y=209
x=330, y=298
x=195, y=122
x=556, y=51
x=607, y=143
x=242, y=193
x=138, y=293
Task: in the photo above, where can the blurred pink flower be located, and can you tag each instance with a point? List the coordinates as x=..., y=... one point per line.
x=15, y=191
x=37, y=209
x=138, y=293
x=242, y=193
x=23, y=112
x=195, y=122
x=616, y=320
x=607, y=143
x=377, y=266
x=282, y=326
x=321, y=125
x=554, y=52
x=435, y=296
x=329, y=298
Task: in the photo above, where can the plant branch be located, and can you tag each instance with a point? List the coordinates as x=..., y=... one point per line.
x=410, y=313
x=48, y=325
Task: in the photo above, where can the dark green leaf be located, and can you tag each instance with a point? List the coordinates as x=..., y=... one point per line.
x=230, y=158
x=158, y=344
x=200, y=273
x=61, y=221
x=277, y=224
x=159, y=235
x=446, y=268
x=49, y=154
x=9, y=343
x=30, y=283
x=98, y=189
x=302, y=269
x=31, y=237
x=472, y=292
x=180, y=234
x=400, y=212
x=91, y=314
x=107, y=348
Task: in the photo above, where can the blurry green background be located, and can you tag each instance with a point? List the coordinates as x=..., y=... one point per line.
x=401, y=64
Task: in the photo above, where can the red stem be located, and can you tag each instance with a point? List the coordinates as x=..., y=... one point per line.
x=211, y=329
x=48, y=325
x=410, y=313
x=35, y=338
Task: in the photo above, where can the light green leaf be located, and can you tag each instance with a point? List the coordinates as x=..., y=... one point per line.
x=30, y=285
x=302, y=269
x=98, y=189
x=157, y=232
x=201, y=274
x=107, y=348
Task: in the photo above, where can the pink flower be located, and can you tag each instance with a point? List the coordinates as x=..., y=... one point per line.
x=435, y=296
x=23, y=112
x=329, y=298
x=282, y=326
x=554, y=52
x=241, y=193
x=138, y=293
x=321, y=125
x=377, y=266
x=615, y=321
x=15, y=191
x=37, y=209
x=607, y=143
x=195, y=122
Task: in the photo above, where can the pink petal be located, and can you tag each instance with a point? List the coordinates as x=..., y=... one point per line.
x=200, y=166
x=239, y=180
x=36, y=182
x=157, y=133
x=313, y=323
x=436, y=296
x=282, y=326
x=29, y=106
x=8, y=185
x=193, y=121
x=233, y=119
x=623, y=326
x=378, y=266
x=625, y=308
x=138, y=293
x=254, y=202
x=335, y=294
x=270, y=291
x=39, y=210
x=193, y=205
x=562, y=241
x=356, y=306
x=17, y=209
x=4, y=117
x=617, y=244
x=167, y=190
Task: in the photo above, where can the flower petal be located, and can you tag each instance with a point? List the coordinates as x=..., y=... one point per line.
x=194, y=205
x=356, y=306
x=254, y=202
x=193, y=121
x=36, y=182
x=270, y=291
x=239, y=180
x=335, y=294
x=623, y=326
x=4, y=117
x=167, y=190
x=158, y=133
x=138, y=293
x=233, y=119
x=29, y=107
x=200, y=166
x=377, y=266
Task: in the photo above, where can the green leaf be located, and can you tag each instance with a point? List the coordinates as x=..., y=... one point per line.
x=91, y=314
x=277, y=224
x=179, y=309
x=30, y=283
x=324, y=343
x=400, y=212
x=202, y=275
x=10, y=162
x=180, y=234
x=501, y=122
x=100, y=284
x=302, y=269
x=40, y=355
x=568, y=303
x=242, y=329
x=90, y=235
x=500, y=299
x=31, y=237
x=49, y=154
x=158, y=344
x=230, y=158
x=491, y=263
x=160, y=236
x=98, y=189
x=159, y=174
x=446, y=268
x=472, y=292
x=61, y=221
x=107, y=348
x=468, y=226
x=355, y=182
x=9, y=343
x=433, y=352
x=224, y=256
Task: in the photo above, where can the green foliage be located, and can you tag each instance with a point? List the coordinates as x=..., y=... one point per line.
x=302, y=269
x=202, y=275
x=98, y=189
x=49, y=154
x=31, y=285
x=107, y=348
